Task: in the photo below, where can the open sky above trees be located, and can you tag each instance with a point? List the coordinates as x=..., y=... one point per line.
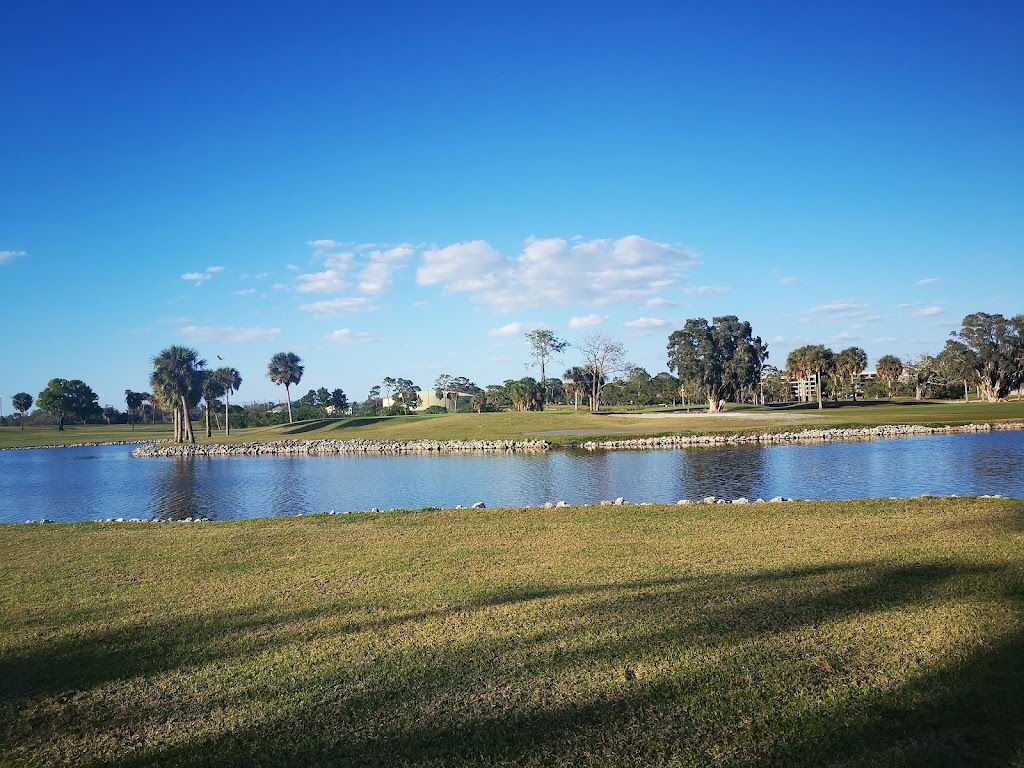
x=409, y=190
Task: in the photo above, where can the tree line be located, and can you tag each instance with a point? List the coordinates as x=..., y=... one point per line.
x=709, y=362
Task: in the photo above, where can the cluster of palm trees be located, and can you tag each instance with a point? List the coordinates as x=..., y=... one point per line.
x=819, y=361
x=180, y=379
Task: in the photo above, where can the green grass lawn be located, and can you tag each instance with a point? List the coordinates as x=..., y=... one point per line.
x=553, y=424
x=805, y=634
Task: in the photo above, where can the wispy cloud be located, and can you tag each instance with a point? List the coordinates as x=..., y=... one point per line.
x=328, y=281
x=586, y=321
x=348, y=336
x=927, y=280
x=229, y=334
x=340, y=306
x=554, y=271
x=201, y=277
x=659, y=303
x=707, y=290
x=837, y=308
x=790, y=281
x=8, y=256
x=929, y=312
x=512, y=329
x=244, y=292
x=644, y=326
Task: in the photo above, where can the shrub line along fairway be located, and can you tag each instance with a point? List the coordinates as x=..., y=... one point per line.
x=865, y=633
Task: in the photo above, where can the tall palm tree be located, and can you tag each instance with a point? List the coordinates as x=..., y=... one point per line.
x=178, y=374
x=285, y=368
x=850, y=363
x=889, y=368
x=212, y=392
x=231, y=381
x=812, y=358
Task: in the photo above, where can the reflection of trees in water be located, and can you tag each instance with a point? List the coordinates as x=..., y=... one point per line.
x=174, y=491
x=727, y=472
x=287, y=490
x=996, y=468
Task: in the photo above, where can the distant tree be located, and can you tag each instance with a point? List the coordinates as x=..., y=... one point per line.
x=774, y=386
x=212, y=391
x=997, y=346
x=110, y=414
x=889, y=369
x=451, y=387
x=605, y=357
x=63, y=399
x=134, y=401
x=373, y=402
x=722, y=357
x=479, y=401
x=406, y=397
x=285, y=368
x=22, y=402
x=177, y=378
x=850, y=364
x=816, y=359
x=389, y=386
x=666, y=388
x=921, y=374
x=576, y=382
x=544, y=346
x=957, y=366
x=525, y=394
x=338, y=400
x=230, y=381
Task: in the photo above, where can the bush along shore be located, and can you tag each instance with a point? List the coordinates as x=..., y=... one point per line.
x=356, y=447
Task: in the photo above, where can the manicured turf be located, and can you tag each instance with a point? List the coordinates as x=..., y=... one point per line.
x=554, y=424
x=73, y=434
x=815, y=633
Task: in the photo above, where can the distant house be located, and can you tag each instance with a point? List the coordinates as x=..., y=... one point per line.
x=428, y=399
x=805, y=389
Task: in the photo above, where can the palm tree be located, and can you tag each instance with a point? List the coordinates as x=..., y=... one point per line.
x=812, y=358
x=177, y=377
x=212, y=392
x=889, y=369
x=22, y=402
x=230, y=381
x=286, y=368
x=850, y=363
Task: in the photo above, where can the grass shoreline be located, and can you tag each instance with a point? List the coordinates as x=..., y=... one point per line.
x=872, y=632
x=553, y=425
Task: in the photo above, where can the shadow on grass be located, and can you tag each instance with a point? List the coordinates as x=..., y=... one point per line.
x=735, y=670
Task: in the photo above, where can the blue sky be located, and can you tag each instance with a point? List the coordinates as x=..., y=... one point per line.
x=405, y=189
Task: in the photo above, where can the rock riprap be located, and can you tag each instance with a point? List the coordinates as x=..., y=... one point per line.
x=342, y=447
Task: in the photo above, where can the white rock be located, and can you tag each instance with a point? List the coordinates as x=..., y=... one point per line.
x=683, y=502
x=709, y=499
x=479, y=505
x=561, y=504
x=620, y=501
x=740, y=500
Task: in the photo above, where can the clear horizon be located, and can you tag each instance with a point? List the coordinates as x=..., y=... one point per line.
x=406, y=191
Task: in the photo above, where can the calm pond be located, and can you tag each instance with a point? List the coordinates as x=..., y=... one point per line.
x=67, y=484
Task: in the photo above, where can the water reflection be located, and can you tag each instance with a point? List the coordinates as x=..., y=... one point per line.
x=101, y=482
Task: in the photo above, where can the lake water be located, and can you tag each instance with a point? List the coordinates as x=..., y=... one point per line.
x=88, y=483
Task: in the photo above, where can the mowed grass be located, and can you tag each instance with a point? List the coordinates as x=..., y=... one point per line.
x=557, y=425
x=868, y=633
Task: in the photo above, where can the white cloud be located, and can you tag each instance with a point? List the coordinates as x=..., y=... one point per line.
x=6, y=256
x=838, y=308
x=335, y=307
x=886, y=340
x=244, y=292
x=553, y=271
x=293, y=268
x=348, y=336
x=707, y=290
x=645, y=325
x=324, y=245
x=230, y=334
x=586, y=321
x=929, y=312
x=658, y=304
x=377, y=276
x=927, y=280
x=197, y=277
x=328, y=281
x=461, y=267
x=279, y=286
x=512, y=329
x=790, y=281
x=214, y=270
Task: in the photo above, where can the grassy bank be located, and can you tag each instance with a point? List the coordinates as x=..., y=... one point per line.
x=561, y=425
x=856, y=633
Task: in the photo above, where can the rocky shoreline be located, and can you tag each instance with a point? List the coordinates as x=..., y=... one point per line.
x=80, y=445
x=438, y=447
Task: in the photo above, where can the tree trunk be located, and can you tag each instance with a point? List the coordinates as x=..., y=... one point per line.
x=190, y=434
x=853, y=386
x=966, y=393
x=209, y=430
x=818, y=381
x=227, y=416
x=288, y=397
